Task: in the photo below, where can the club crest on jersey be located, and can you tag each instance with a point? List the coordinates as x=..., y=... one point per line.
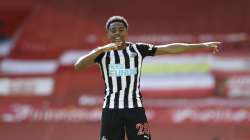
x=150, y=48
x=104, y=138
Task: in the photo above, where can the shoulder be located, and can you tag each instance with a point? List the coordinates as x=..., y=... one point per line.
x=142, y=44
x=99, y=57
x=138, y=44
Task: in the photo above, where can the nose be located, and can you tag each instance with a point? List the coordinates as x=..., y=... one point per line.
x=116, y=32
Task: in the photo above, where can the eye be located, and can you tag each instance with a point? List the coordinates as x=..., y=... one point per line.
x=112, y=30
x=121, y=29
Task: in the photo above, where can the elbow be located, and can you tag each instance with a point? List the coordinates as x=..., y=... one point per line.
x=76, y=67
x=79, y=65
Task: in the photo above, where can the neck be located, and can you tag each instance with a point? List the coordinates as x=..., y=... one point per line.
x=122, y=46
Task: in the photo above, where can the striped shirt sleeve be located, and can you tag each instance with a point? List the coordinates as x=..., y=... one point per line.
x=146, y=49
x=99, y=58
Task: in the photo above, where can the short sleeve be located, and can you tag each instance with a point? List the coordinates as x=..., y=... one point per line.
x=99, y=58
x=146, y=49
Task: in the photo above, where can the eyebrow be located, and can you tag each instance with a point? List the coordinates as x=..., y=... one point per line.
x=121, y=27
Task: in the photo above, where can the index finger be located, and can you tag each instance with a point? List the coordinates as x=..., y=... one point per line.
x=216, y=42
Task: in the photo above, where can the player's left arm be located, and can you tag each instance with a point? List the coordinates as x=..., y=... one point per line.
x=185, y=47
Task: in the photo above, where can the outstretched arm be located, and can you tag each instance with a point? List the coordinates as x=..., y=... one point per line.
x=184, y=47
x=87, y=60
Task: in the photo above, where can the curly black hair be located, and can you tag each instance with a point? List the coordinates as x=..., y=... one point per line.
x=116, y=19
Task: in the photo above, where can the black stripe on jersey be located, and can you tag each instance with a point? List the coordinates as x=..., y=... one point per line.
x=140, y=74
x=118, y=79
x=140, y=84
x=109, y=79
x=135, y=81
x=128, y=79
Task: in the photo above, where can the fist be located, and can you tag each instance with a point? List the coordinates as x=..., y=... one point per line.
x=108, y=47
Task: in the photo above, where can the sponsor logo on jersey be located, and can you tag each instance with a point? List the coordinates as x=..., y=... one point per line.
x=121, y=70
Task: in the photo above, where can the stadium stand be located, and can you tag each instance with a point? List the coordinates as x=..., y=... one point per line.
x=198, y=92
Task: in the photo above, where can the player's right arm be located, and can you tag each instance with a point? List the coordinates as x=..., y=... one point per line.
x=89, y=59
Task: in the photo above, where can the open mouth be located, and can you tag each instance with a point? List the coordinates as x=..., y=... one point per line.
x=118, y=39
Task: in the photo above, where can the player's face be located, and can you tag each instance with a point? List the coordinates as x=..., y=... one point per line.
x=117, y=32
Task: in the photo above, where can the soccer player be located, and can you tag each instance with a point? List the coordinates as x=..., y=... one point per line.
x=120, y=63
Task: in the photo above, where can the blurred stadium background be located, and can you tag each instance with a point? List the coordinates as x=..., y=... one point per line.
x=192, y=96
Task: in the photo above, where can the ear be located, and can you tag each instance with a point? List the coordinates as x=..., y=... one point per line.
x=126, y=31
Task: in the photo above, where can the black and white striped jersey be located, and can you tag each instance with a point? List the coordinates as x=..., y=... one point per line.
x=121, y=71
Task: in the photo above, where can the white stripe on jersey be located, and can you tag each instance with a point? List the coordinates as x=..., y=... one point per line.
x=138, y=77
x=131, y=86
x=114, y=82
x=105, y=78
x=123, y=81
